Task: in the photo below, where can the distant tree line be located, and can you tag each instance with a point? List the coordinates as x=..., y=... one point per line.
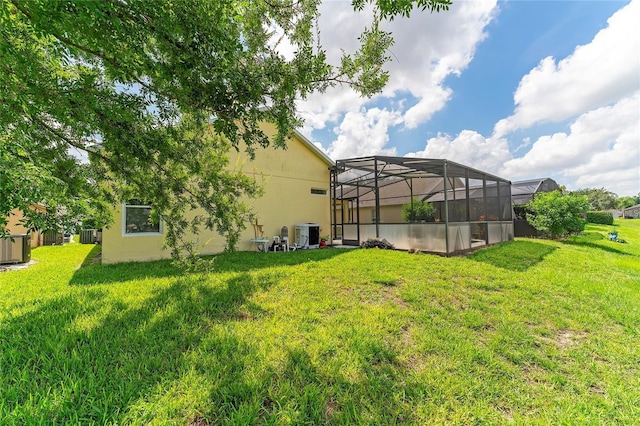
x=601, y=199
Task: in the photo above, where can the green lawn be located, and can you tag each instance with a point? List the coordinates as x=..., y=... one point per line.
x=527, y=332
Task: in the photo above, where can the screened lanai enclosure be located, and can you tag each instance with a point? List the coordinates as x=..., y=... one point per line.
x=376, y=197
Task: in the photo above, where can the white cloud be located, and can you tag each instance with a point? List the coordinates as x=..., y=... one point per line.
x=322, y=108
x=426, y=106
x=364, y=133
x=431, y=47
x=596, y=74
x=596, y=87
x=525, y=143
x=428, y=48
x=601, y=149
x=469, y=148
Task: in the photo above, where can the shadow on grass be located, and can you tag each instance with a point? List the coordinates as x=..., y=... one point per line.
x=516, y=256
x=100, y=357
x=92, y=273
x=597, y=241
x=93, y=257
x=89, y=357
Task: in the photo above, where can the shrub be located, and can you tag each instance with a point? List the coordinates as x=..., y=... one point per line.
x=558, y=214
x=520, y=212
x=418, y=211
x=601, y=217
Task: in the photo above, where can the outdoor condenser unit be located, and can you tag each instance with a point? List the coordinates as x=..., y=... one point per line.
x=16, y=251
x=307, y=235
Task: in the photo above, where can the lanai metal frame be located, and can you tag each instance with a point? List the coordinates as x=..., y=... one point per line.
x=473, y=207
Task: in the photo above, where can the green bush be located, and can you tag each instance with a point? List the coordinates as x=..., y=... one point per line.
x=520, y=212
x=558, y=214
x=601, y=217
x=418, y=211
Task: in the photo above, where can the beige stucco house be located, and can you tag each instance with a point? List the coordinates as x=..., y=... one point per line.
x=296, y=183
x=16, y=227
x=17, y=247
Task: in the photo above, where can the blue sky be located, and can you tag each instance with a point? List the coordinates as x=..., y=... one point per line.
x=522, y=34
x=519, y=88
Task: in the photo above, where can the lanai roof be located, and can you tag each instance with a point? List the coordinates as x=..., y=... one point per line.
x=361, y=175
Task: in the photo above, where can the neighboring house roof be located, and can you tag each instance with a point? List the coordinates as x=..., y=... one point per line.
x=632, y=212
x=400, y=192
x=637, y=206
x=523, y=191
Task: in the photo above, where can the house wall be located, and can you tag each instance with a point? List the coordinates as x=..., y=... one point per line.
x=288, y=177
x=391, y=214
x=632, y=212
x=15, y=227
x=388, y=214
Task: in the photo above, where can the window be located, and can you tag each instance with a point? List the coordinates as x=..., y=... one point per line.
x=319, y=191
x=136, y=219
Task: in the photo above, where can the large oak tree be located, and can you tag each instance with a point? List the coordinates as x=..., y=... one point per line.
x=146, y=79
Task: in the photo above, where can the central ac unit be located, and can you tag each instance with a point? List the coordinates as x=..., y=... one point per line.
x=16, y=251
x=6, y=251
x=307, y=235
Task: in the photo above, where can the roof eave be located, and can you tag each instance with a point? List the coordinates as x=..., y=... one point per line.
x=314, y=148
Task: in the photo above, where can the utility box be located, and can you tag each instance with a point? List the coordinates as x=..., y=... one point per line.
x=15, y=249
x=52, y=238
x=87, y=236
x=307, y=235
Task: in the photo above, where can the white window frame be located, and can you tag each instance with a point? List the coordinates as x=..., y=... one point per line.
x=138, y=234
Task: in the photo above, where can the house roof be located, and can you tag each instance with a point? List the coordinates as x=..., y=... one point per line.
x=632, y=207
x=399, y=192
x=314, y=148
x=523, y=191
x=97, y=146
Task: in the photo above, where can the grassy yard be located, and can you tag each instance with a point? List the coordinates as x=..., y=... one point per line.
x=528, y=332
